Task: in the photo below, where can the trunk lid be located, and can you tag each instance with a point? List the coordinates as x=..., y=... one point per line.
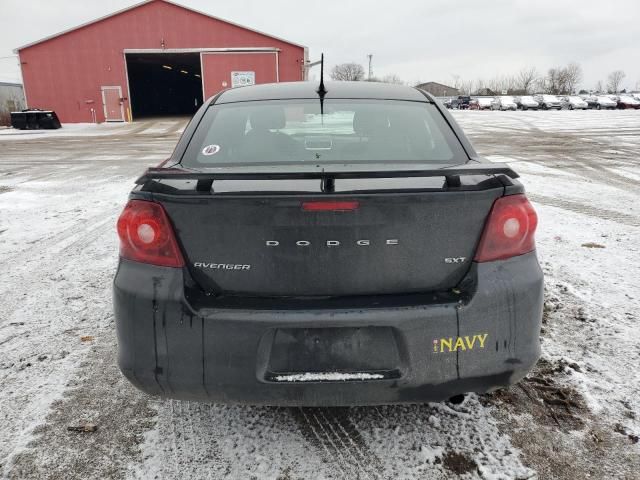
x=265, y=244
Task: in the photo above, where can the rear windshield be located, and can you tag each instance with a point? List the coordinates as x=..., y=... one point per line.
x=295, y=131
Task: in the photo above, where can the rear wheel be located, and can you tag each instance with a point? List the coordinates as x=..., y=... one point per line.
x=598, y=107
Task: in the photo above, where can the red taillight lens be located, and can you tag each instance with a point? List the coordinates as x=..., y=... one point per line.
x=509, y=231
x=329, y=206
x=146, y=235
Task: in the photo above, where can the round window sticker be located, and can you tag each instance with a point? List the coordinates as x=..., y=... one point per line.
x=210, y=150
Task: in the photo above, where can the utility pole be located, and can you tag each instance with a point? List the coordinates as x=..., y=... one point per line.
x=370, y=68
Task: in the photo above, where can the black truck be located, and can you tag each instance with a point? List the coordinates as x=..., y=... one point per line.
x=341, y=245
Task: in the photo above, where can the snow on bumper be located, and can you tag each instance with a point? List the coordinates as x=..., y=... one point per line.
x=329, y=357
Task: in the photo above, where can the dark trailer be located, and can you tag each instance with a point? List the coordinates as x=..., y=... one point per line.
x=35, y=119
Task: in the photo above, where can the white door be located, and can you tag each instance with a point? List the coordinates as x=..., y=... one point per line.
x=112, y=101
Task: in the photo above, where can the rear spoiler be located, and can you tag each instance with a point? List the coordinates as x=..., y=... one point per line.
x=206, y=179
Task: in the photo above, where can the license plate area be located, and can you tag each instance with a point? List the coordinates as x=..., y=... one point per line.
x=333, y=354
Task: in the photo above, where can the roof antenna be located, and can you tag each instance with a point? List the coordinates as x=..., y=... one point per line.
x=322, y=91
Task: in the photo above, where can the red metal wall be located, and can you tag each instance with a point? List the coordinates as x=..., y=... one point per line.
x=65, y=73
x=217, y=68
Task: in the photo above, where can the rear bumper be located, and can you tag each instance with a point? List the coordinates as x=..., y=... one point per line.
x=421, y=352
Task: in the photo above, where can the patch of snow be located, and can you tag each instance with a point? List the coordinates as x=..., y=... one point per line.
x=431, y=454
x=327, y=377
x=98, y=130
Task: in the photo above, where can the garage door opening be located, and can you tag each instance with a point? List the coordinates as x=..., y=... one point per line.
x=162, y=84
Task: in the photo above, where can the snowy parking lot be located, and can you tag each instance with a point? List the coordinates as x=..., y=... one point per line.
x=577, y=415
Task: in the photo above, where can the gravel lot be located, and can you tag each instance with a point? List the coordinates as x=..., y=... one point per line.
x=576, y=416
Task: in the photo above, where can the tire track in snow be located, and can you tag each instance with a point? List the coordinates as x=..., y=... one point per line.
x=331, y=431
x=193, y=455
x=341, y=426
x=589, y=210
x=203, y=440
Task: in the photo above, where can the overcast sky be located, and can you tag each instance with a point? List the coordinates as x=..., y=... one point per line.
x=415, y=39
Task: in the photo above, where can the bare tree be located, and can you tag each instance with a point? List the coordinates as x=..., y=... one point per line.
x=572, y=77
x=501, y=83
x=479, y=85
x=563, y=80
x=526, y=79
x=348, y=72
x=466, y=87
x=393, y=78
x=599, y=87
x=540, y=84
x=554, y=81
x=456, y=81
x=614, y=80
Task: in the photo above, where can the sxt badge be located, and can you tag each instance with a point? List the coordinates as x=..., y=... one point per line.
x=455, y=259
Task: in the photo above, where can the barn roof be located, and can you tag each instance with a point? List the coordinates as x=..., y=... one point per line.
x=137, y=5
x=436, y=83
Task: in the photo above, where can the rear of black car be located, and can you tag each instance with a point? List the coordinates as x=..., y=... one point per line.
x=352, y=250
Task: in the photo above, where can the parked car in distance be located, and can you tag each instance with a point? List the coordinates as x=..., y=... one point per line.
x=573, y=102
x=592, y=100
x=482, y=103
x=627, y=101
x=503, y=103
x=526, y=102
x=452, y=104
x=390, y=263
x=463, y=102
x=485, y=103
x=601, y=101
x=548, y=102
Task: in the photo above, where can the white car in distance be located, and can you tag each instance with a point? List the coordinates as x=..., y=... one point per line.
x=503, y=103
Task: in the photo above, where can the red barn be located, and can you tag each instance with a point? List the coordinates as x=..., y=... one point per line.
x=154, y=58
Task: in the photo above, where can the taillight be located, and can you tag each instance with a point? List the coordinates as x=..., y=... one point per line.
x=509, y=230
x=331, y=206
x=146, y=235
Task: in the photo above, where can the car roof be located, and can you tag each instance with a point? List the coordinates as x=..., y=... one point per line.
x=350, y=90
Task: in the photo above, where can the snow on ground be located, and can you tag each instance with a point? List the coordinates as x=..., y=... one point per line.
x=576, y=416
x=153, y=127
x=588, y=242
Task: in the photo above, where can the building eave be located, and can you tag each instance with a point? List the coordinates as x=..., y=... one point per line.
x=137, y=5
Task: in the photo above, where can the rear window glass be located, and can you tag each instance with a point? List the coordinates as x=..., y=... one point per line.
x=295, y=131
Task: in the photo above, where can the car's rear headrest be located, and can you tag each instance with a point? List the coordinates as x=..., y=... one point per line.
x=370, y=121
x=270, y=117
